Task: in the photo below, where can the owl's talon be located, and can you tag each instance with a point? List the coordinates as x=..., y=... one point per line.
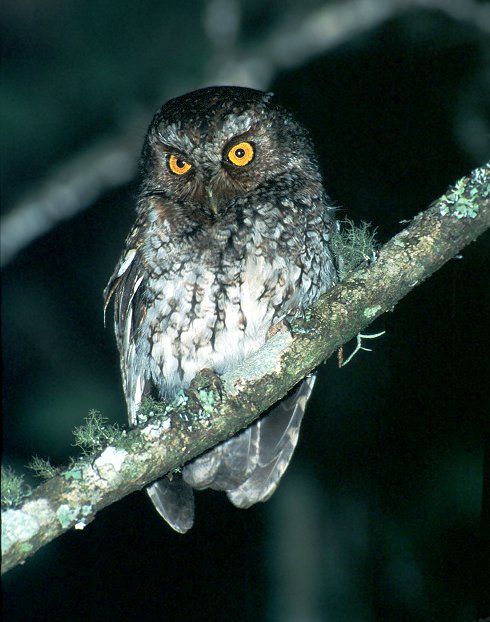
x=205, y=380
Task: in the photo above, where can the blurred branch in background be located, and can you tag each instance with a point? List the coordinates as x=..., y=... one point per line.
x=70, y=188
x=189, y=426
x=299, y=35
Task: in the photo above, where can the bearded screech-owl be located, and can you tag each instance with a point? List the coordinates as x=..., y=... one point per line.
x=232, y=236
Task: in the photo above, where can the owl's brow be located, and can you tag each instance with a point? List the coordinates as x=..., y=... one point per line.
x=173, y=136
x=234, y=124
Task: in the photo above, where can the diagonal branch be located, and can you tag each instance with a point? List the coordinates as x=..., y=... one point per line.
x=190, y=425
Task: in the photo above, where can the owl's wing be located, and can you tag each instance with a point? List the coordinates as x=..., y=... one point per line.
x=126, y=285
x=250, y=465
x=171, y=496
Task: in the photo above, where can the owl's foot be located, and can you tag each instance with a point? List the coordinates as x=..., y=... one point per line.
x=205, y=385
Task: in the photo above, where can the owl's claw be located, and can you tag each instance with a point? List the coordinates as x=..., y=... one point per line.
x=205, y=381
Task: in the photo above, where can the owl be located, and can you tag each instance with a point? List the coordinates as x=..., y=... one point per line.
x=231, y=237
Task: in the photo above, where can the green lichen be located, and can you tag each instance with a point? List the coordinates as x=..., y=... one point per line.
x=85, y=512
x=67, y=515
x=208, y=401
x=17, y=528
x=110, y=462
x=299, y=323
x=42, y=467
x=13, y=489
x=371, y=312
x=462, y=199
x=25, y=548
x=481, y=176
x=352, y=246
x=96, y=433
x=183, y=405
x=180, y=399
x=150, y=408
x=75, y=473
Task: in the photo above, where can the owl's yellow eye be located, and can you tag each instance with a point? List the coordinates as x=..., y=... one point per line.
x=178, y=165
x=241, y=154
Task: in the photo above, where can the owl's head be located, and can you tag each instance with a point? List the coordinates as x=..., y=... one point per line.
x=206, y=148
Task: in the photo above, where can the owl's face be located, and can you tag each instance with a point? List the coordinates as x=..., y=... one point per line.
x=205, y=149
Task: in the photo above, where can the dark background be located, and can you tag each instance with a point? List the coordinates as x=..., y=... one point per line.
x=379, y=515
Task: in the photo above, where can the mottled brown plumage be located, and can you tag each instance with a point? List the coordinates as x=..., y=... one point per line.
x=232, y=236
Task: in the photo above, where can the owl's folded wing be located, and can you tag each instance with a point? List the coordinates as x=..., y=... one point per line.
x=126, y=285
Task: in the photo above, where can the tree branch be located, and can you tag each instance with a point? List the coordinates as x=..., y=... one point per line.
x=190, y=425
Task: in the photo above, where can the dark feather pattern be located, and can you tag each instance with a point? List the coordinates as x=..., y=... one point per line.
x=221, y=251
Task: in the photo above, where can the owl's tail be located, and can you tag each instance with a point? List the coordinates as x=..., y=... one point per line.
x=248, y=467
x=174, y=501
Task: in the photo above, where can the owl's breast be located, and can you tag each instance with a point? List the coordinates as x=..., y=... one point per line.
x=211, y=313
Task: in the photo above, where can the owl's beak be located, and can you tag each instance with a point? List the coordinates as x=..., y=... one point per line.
x=213, y=203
